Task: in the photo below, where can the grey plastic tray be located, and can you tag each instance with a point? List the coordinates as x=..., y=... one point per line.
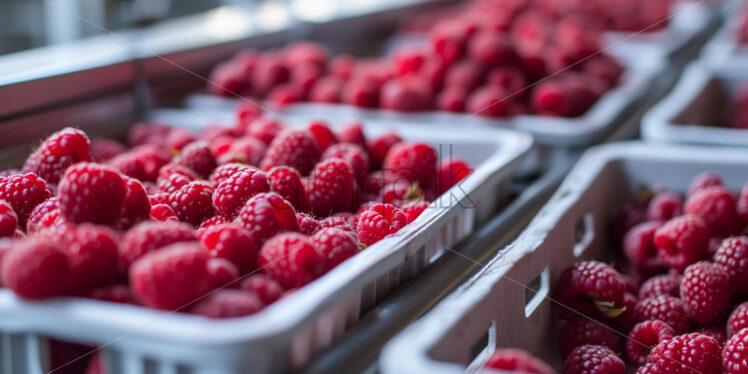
x=495, y=309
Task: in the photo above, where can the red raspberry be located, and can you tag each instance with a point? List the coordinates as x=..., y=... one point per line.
x=286, y=181
x=265, y=287
x=341, y=66
x=150, y=236
x=593, y=359
x=682, y=241
x=213, y=132
x=332, y=188
x=158, y=198
x=60, y=150
x=294, y=148
x=136, y=206
x=686, y=354
x=515, y=360
x=361, y=92
x=581, y=331
x=43, y=215
x=223, y=172
x=648, y=369
x=326, y=90
x=668, y=309
x=666, y=284
x=246, y=150
x=335, y=245
x=173, y=183
x=452, y=99
x=23, y=192
x=378, y=222
x=733, y=256
x=283, y=95
x=178, y=138
x=603, y=67
x=592, y=288
x=267, y=214
x=8, y=220
x=232, y=242
x=304, y=77
x=93, y=256
x=406, y=95
x=639, y=247
x=198, y=157
x=307, y=224
x=490, y=101
x=414, y=210
x=172, y=277
x=147, y=133
x=353, y=133
x=414, y=161
x=113, y=293
x=716, y=206
x=706, y=291
x=227, y=80
x=703, y=181
x=322, y=134
x=291, y=260
x=264, y=129
x=735, y=354
x=466, y=74
x=738, y=319
x=193, y=203
x=339, y=222
x=451, y=172
x=128, y=164
x=551, y=98
x=303, y=53
x=379, y=146
x=630, y=216
x=92, y=193
x=105, y=149
x=162, y=213
x=37, y=268
x=509, y=79
x=742, y=205
x=645, y=336
x=228, y=304
x=491, y=48
x=222, y=273
x=212, y=221
x=400, y=192
x=153, y=158
x=231, y=195
x=715, y=331
x=172, y=177
x=665, y=206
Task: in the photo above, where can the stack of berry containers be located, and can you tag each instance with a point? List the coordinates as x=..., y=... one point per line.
x=732, y=38
x=87, y=264
x=709, y=106
x=637, y=264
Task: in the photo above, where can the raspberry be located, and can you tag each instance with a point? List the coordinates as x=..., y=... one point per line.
x=158, y=198
x=593, y=359
x=379, y=146
x=413, y=161
x=592, y=288
x=281, y=96
x=37, y=268
x=60, y=150
x=193, y=203
x=490, y=101
x=264, y=129
x=668, y=309
x=265, y=287
x=738, y=319
x=147, y=133
x=267, y=214
x=322, y=134
x=716, y=206
x=491, y=48
x=224, y=171
x=339, y=222
x=172, y=277
x=353, y=133
x=231, y=195
x=687, y=354
x=639, y=247
x=665, y=206
x=703, y=181
x=232, y=242
x=378, y=222
x=603, y=67
x=508, y=78
x=452, y=99
x=332, y=188
x=360, y=92
x=400, y=192
x=294, y=148
x=735, y=354
x=581, y=331
x=682, y=241
x=414, y=210
x=352, y=154
x=307, y=224
x=326, y=90
x=630, y=216
x=222, y=273
x=105, y=149
x=23, y=192
x=451, y=172
x=114, y=293
x=150, y=236
x=136, y=206
x=162, y=213
x=43, y=215
x=93, y=256
x=706, y=291
x=732, y=255
x=304, y=77
x=515, y=360
x=466, y=74
x=92, y=193
x=212, y=221
x=198, y=157
x=128, y=164
x=178, y=138
x=335, y=245
x=228, y=304
x=645, y=336
x=666, y=284
x=246, y=150
x=551, y=98
x=172, y=177
x=626, y=321
x=286, y=182
x=291, y=260
x=648, y=369
x=406, y=95
x=8, y=220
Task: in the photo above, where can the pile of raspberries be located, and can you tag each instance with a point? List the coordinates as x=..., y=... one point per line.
x=252, y=211
x=676, y=304
x=493, y=58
